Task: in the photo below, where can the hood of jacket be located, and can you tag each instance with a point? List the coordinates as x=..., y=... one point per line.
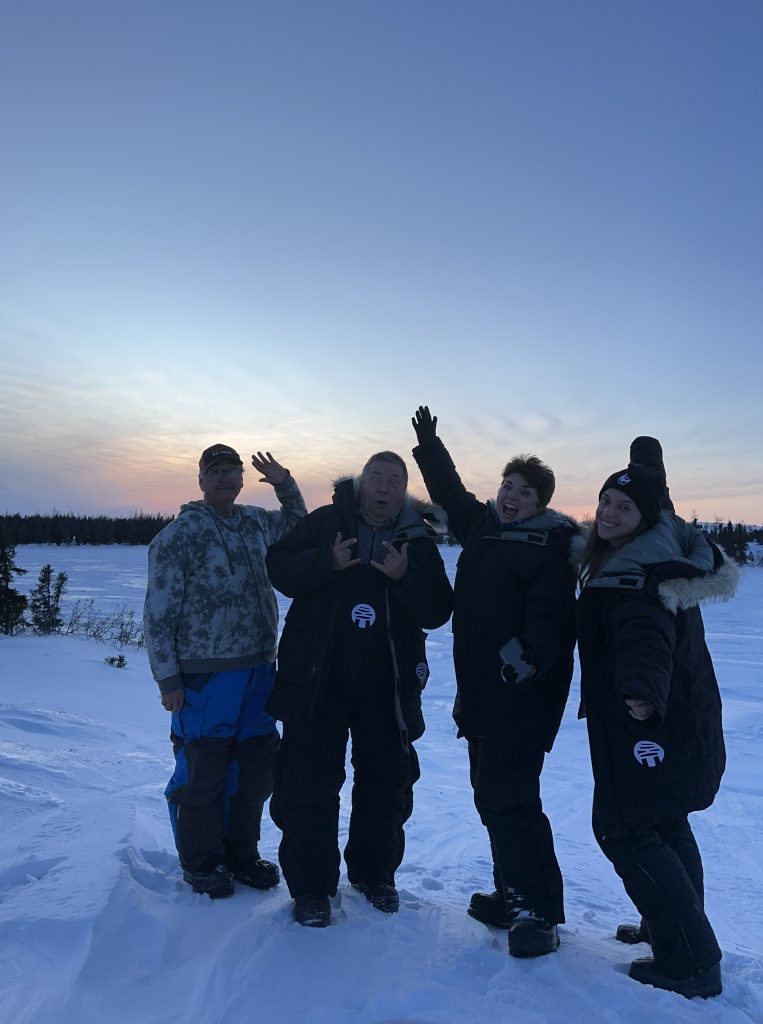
x=413, y=520
x=540, y=527
x=680, y=560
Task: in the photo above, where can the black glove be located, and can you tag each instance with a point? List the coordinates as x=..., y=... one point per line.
x=424, y=424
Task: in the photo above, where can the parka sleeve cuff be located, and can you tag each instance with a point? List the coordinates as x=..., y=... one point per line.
x=170, y=684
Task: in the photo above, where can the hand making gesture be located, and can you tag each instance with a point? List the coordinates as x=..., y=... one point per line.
x=341, y=556
x=395, y=564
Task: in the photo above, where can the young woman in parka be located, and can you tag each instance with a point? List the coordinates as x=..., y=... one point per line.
x=653, y=713
x=366, y=579
x=513, y=642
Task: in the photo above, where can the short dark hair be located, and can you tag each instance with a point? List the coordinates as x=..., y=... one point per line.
x=536, y=473
x=386, y=457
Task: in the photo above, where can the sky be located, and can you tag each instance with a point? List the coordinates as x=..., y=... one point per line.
x=284, y=226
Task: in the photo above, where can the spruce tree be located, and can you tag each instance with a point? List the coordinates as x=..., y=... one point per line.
x=45, y=601
x=12, y=604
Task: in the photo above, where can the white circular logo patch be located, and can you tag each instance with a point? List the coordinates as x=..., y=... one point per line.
x=648, y=753
x=363, y=615
x=422, y=671
x=624, y=479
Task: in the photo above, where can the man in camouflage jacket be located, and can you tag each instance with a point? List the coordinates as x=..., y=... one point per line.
x=210, y=621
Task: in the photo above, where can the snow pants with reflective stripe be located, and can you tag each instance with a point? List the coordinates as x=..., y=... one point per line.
x=225, y=746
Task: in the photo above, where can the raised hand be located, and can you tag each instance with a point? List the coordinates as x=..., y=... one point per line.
x=424, y=424
x=395, y=564
x=341, y=556
x=272, y=472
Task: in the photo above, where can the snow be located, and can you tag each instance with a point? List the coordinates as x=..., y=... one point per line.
x=96, y=924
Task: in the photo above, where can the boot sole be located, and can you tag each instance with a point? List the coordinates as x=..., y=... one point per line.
x=703, y=986
x=527, y=954
x=501, y=923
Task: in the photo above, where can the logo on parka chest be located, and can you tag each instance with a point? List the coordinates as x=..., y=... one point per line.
x=648, y=753
x=363, y=616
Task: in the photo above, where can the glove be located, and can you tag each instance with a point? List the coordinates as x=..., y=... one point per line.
x=424, y=424
x=509, y=675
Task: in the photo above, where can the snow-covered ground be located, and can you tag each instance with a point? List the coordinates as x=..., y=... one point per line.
x=96, y=924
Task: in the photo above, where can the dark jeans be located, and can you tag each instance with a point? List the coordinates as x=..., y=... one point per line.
x=661, y=870
x=309, y=776
x=505, y=777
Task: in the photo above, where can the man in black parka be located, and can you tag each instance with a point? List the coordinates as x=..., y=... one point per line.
x=366, y=579
x=513, y=641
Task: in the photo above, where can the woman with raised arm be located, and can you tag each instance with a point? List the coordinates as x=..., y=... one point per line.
x=513, y=641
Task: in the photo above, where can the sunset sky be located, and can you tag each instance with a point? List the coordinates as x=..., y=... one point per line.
x=285, y=225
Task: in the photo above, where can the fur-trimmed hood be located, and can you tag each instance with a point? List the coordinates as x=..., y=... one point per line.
x=546, y=524
x=431, y=513
x=679, y=561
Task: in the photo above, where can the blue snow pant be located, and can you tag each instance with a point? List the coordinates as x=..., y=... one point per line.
x=225, y=746
x=661, y=870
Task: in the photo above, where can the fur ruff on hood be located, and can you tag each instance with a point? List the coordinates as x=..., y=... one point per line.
x=428, y=510
x=685, y=552
x=721, y=585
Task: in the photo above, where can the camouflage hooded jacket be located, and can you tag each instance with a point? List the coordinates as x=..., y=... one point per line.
x=209, y=603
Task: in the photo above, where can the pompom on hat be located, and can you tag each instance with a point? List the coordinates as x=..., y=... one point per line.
x=643, y=485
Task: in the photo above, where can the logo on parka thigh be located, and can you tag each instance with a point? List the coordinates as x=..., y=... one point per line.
x=648, y=753
x=363, y=616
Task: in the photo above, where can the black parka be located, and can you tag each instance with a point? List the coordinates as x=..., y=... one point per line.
x=299, y=566
x=641, y=635
x=517, y=583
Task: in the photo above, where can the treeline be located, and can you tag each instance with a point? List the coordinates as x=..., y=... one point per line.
x=735, y=538
x=41, y=610
x=68, y=528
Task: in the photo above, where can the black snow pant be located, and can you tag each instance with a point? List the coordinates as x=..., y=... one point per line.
x=661, y=870
x=310, y=773
x=505, y=777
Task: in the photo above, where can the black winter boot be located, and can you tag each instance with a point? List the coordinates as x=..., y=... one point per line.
x=313, y=910
x=259, y=873
x=492, y=908
x=632, y=934
x=704, y=984
x=217, y=883
x=383, y=896
x=531, y=935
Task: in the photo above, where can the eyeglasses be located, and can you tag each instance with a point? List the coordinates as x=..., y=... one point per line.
x=226, y=471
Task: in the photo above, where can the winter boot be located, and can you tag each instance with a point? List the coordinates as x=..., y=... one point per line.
x=704, y=984
x=255, y=871
x=632, y=934
x=492, y=908
x=383, y=896
x=217, y=883
x=312, y=909
x=531, y=935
